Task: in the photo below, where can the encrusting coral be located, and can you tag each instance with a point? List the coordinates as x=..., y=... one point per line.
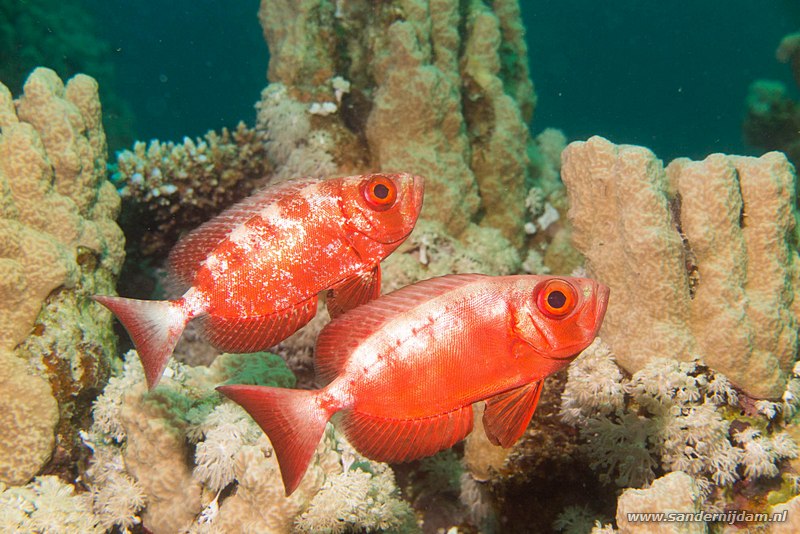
x=701, y=258
x=59, y=244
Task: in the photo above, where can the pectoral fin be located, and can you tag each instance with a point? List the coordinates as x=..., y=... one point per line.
x=356, y=290
x=507, y=415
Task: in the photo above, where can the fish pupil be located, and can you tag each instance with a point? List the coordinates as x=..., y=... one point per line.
x=380, y=191
x=556, y=299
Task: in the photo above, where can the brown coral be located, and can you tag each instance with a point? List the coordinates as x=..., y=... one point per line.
x=425, y=97
x=700, y=258
x=58, y=244
x=177, y=186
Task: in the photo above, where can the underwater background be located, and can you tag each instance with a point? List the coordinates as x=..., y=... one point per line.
x=666, y=75
x=559, y=138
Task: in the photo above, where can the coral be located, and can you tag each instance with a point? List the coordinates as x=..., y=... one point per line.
x=423, y=96
x=575, y=520
x=63, y=36
x=292, y=146
x=177, y=186
x=48, y=506
x=772, y=121
x=762, y=453
x=792, y=511
x=430, y=251
x=670, y=413
x=358, y=499
x=28, y=407
x=701, y=258
x=675, y=492
x=179, y=448
x=789, y=52
x=58, y=245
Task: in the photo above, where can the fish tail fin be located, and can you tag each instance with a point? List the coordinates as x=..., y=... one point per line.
x=154, y=326
x=292, y=419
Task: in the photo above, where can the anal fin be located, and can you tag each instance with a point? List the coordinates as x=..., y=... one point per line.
x=507, y=415
x=403, y=440
x=252, y=334
x=356, y=290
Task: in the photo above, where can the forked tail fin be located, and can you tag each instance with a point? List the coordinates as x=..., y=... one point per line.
x=291, y=418
x=154, y=326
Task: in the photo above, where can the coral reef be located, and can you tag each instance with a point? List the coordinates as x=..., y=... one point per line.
x=675, y=492
x=176, y=187
x=677, y=418
x=422, y=96
x=64, y=37
x=59, y=245
x=186, y=461
x=47, y=506
x=701, y=258
x=773, y=118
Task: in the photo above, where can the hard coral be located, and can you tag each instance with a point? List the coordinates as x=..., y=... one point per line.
x=701, y=258
x=178, y=186
x=772, y=121
x=59, y=244
x=423, y=96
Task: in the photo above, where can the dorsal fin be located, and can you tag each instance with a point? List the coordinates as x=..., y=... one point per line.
x=187, y=255
x=345, y=333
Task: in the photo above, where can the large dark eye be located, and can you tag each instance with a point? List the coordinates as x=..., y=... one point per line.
x=380, y=192
x=557, y=298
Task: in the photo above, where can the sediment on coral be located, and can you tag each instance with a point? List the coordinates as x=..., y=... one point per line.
x=59, y=244
x=701, y=258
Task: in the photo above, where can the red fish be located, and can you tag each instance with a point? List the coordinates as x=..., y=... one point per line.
x=254, y=271
x=405, y=369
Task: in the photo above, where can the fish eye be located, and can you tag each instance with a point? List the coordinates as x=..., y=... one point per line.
x=380, y=192
x=556, y=298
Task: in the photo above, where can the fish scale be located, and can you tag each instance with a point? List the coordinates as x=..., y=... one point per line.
x=254, y=272
x=405, y=369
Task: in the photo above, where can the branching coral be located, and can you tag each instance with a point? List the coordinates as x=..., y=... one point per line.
x=701, y=258
x=178, y=186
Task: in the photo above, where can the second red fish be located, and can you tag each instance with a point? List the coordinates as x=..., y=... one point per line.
x=254, y=271
x=405, y=369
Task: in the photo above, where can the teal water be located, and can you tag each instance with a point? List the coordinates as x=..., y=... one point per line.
x=669, y=75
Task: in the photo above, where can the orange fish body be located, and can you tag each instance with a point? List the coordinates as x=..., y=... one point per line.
x=405, y=369
x=254, y=271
